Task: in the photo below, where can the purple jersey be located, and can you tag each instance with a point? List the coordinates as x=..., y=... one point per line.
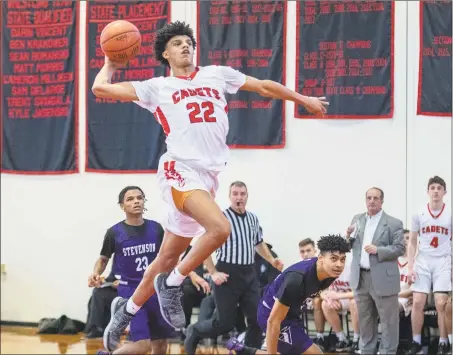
x=135, y=247
x=295, y=286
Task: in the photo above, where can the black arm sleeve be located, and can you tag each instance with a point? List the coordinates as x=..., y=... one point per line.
x=291, y=289
x=108, y=248
x=161, y=233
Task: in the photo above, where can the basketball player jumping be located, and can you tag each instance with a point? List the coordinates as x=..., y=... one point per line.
x=192, y=110
x=279, y=312
x=432, y=265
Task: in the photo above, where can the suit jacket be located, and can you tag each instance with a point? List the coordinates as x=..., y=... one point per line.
x=389, y=240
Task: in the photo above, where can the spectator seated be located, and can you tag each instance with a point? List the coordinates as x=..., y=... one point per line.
x=99, y=307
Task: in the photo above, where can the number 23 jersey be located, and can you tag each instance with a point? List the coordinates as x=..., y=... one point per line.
x=192, y=111
x=134, y=248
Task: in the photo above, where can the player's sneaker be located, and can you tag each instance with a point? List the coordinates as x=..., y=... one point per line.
x=443, y=349
x=170, y=302
x=341, y=346
x=102, y=352
x=320, y=342
x=234, y=345
x=355, y=347
x=415, y=348
x=119, y=320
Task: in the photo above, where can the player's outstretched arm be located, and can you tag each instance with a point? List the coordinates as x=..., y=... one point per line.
x=103, y=87
x=274, y=90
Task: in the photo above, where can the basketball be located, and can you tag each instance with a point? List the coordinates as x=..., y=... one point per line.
x=120, y=40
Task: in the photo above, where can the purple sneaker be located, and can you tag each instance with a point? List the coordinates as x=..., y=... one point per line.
x=234, y=345
x=102, y=352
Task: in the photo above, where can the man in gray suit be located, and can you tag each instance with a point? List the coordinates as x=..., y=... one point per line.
x=377, y=242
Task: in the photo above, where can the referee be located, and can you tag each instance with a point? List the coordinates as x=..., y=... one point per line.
x=234, y=276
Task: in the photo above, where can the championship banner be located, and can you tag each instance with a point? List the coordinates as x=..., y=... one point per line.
x=434, y=87
x=345, y=53
x=121, y=136
x=248, y=36
x=39, y=86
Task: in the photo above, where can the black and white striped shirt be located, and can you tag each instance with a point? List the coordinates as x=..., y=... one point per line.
x=246, y=232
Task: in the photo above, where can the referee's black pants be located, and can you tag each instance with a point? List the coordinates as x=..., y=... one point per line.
x=241, y=288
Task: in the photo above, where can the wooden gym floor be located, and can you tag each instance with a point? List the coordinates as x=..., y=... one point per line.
x=22, y=340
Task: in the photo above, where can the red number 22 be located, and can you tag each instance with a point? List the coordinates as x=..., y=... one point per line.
x=195, y=111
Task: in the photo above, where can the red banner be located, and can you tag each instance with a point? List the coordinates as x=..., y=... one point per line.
x=345, y=52
x=248, y=36
x=121, y=136
x=434, y=82
x=39, y=86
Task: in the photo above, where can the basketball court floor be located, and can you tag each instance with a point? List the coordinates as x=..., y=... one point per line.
x=23, y=340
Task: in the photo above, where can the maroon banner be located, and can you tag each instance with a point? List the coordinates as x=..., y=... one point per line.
x=345, y=52
x=248, y=36
x=121, y=136
x=39, y=87
x=434, y=82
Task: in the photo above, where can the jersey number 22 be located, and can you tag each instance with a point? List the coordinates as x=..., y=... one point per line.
x=201, y=112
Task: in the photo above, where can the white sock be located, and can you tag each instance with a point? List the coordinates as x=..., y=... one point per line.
x=417, y=338
x=449, y=338
x=131, y=307
x=175, y=278
x=356, y=337
x=319, y=335
x=341, y=336
x=443, y=340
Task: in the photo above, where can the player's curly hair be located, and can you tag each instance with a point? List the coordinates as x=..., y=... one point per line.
x=166, y=33
x=333, y=243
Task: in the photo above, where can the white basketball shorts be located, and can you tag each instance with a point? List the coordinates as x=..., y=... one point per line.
x=183, y=178
x=432, y=271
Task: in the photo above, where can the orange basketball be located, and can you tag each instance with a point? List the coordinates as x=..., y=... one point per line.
x=120, y=40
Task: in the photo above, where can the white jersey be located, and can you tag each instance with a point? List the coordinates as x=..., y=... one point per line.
x=434, y=231
x=193, y=113
x=343, y=282
x=403, y=267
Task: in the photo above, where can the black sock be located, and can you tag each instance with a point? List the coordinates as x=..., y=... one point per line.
x=247, y=351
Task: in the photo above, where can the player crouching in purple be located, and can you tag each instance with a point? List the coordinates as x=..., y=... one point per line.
x=135, y=243
x=279, y=311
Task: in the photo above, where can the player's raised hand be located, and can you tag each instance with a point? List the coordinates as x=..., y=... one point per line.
x=115, y=64
x=316, y=105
